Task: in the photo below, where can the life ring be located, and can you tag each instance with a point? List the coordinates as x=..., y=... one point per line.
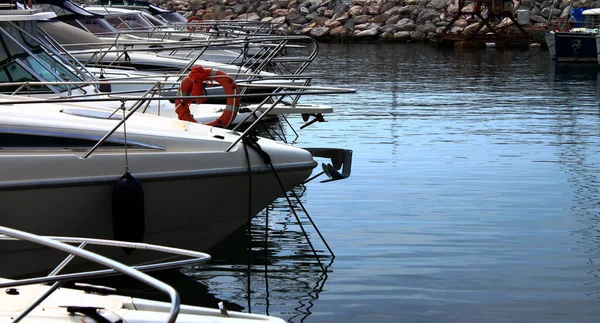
x=188, y=86
x=195, y=20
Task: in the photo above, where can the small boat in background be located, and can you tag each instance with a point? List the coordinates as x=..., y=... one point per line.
x=573, y=42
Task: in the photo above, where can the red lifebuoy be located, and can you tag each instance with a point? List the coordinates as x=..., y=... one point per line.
x=192, y=85
x=195, y=20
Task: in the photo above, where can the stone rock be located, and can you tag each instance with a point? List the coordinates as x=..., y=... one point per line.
x=338, y=31
x=367, y=33
x=470, y=29
x=427, y=14
x=278, y=20
x=263, y=14
x=249, y=17
x=281, y=3
x=343, y=17
x=546, y=12
x=356, y=10
x=406, y=24
x=462, y=23
x=373, y=9
x=239, y=9
x=320, y=20
x=280, y=12
x=417, y=36
x=386, y=5
x=311, y=16
x=319, y=32
x=452, y=8
x=393, y=20
x=456, y=30
x=362, y=19
x=402, y=36
x=375, y=25
x=341, y=8
x=381, y=18
x=328, y=13
x=388, y=29
x=363, y=2
x=538, y=18
x=332, y=23
x=437, y=4
x=386, y=36
x=364, y=26
x=304, y=11
x=296, y=18
x=428, y=27
x=349, y=24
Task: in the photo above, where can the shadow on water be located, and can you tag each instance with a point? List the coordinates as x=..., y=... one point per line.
x=268, y=267
x=264, y=268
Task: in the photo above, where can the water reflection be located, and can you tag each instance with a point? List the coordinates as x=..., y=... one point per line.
x=269, y=266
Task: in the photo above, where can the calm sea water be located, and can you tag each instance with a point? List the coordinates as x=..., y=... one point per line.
x=473, y=196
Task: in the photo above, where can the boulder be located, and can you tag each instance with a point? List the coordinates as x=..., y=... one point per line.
x=546, y=12
x=393, y=20
x=362, y=19
x=280, y=12
x=278, y=20
x=349, y=24
x=426, y=28
x=462, y=23
x=386, y=5
x=357, y=10
x=296, y=18
x=386, y=36
x=402, y=36
x=332, y=23
x=338, y=31
x=436, y=4
x=364, y=26
x=341, y=8
x=406, y=24
x=343, y=17
x=239, y=9
x=417, y=36
x=427, y=14
x=373, y=9
x=253, y=16
x=381, y=18
x=311, y=16
x=362, y=2
x=538, y=18
x=319, y=32
x=320, y=20
x=367, y=33
x=388, y=29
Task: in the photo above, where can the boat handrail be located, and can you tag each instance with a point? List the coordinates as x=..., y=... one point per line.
x=61, y=244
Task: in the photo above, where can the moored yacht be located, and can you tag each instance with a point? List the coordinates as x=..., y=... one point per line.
x=62, y=162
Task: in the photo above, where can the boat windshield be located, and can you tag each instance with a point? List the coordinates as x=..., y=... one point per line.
x=29, y=69
x=153, y=20
x=129, y=21
x=97, y=26
x=172, y=17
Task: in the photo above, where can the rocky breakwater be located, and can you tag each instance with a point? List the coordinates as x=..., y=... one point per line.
x=358, y=20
